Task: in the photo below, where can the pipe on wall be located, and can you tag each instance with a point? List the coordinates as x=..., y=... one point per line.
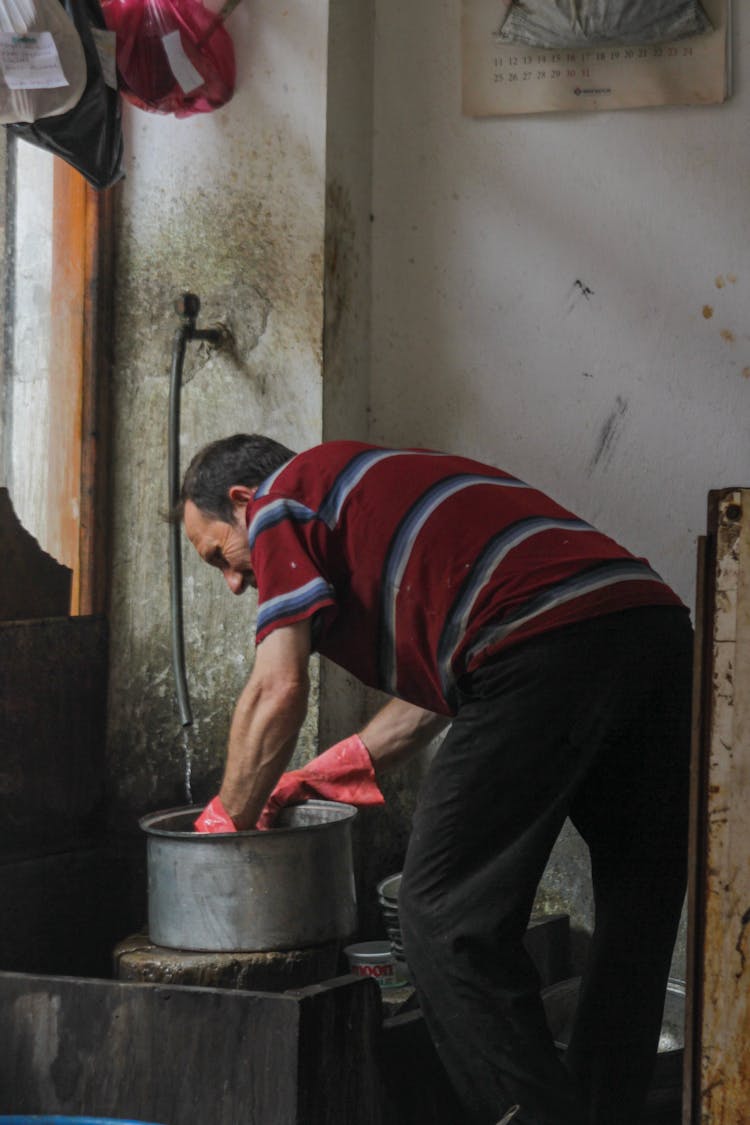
x=188, y=307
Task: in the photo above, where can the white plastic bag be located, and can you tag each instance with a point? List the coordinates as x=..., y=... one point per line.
x=42, y=61
x=584, y=23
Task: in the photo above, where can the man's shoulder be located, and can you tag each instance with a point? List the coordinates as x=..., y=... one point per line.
x=315, y=468
x=309, y=476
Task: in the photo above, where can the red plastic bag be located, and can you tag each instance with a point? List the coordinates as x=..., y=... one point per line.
x=173, y=56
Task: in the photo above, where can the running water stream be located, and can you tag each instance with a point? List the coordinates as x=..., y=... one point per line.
x=187, y=746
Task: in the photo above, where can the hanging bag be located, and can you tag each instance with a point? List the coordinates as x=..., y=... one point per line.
x=42, y=62
x=88, y=136
x=173, y=56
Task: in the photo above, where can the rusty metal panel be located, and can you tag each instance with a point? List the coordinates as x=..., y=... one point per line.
x=718, y=1067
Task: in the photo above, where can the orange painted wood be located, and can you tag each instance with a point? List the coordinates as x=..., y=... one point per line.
x=66, y=367
x=81, y=301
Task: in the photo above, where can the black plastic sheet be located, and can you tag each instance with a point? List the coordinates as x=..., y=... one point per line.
x=88, y=136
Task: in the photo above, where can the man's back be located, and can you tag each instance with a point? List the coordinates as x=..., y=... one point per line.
x=418, y=566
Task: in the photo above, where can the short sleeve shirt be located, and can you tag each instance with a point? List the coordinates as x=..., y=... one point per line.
x=416, y=567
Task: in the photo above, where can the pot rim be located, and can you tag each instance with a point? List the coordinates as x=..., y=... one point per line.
x=150, y=823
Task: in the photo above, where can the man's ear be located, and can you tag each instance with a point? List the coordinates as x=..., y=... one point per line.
x=241, y=495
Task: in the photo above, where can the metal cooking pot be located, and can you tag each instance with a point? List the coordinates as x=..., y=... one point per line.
x=289, y=888
x=665, y=1093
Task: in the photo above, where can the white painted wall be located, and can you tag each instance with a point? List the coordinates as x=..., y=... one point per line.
x=229, y=205
x=627, y=404
x=565, y=296
x=30, y=363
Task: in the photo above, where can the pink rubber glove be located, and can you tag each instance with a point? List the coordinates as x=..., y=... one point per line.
x=344, y=773
x=215, y=818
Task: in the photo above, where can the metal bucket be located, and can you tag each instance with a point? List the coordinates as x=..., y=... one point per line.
x=665, y=1093
x=289, y=888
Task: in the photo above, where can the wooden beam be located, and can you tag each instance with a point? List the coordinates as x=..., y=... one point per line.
x=66, y=368
x=719, y=1029
x=81, y=301
x=98, y=336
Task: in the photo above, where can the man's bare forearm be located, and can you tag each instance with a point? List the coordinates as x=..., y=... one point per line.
x=262, y=739
x=266, y=723
x=398, y=730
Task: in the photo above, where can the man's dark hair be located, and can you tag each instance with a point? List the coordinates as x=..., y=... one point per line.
x=240, y=459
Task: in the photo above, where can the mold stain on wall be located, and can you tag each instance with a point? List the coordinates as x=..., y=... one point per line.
x=262, y=284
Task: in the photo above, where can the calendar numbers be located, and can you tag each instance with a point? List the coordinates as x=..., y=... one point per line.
x=501, y=77
x=563, y=66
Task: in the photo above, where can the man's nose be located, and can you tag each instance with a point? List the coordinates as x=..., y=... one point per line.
x=235, y=580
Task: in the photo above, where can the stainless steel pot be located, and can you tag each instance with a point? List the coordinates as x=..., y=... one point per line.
x=289, y=888
x=665, y=1093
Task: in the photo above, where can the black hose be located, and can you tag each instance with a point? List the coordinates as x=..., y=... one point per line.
x=188, y=307
x=181, y=337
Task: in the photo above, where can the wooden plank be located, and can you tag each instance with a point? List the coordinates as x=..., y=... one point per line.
x=53, y=680
x=33, y=583
x=65, y=387
x=721, y=911
x=177, y=1056
x=696, y=848
x=338, y=1075
x=98, y=338
x=62, y=913
x=82, y=288
x=183, y=1056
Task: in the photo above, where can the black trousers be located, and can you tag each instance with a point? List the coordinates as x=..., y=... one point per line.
x=591, y=721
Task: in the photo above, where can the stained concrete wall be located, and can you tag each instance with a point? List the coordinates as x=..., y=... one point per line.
x=231, y=206
x=568, y=292
x=562, y=295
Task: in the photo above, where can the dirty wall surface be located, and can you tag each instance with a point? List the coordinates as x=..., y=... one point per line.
x=229, y=206
x=567, y=293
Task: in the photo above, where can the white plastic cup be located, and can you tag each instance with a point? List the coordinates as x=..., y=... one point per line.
x=375, y=959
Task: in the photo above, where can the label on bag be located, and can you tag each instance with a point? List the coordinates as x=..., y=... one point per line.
x=188, y=78
x=30, y=61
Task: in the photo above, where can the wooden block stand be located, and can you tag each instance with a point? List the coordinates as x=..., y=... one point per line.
x=138, y=959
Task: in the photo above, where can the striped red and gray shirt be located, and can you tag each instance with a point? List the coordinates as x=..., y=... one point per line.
x=418, y=566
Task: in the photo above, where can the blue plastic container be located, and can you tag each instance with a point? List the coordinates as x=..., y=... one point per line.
x=30, y=1119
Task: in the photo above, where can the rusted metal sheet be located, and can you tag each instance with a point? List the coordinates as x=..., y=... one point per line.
x=718, y=1066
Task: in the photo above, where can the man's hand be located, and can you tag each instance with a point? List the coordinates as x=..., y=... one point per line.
x=215, y=818
x=343, y=773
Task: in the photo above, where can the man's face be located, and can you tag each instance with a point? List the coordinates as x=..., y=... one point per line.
x=223, y=545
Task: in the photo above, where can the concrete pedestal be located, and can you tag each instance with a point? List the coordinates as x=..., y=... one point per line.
x=137, y=959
